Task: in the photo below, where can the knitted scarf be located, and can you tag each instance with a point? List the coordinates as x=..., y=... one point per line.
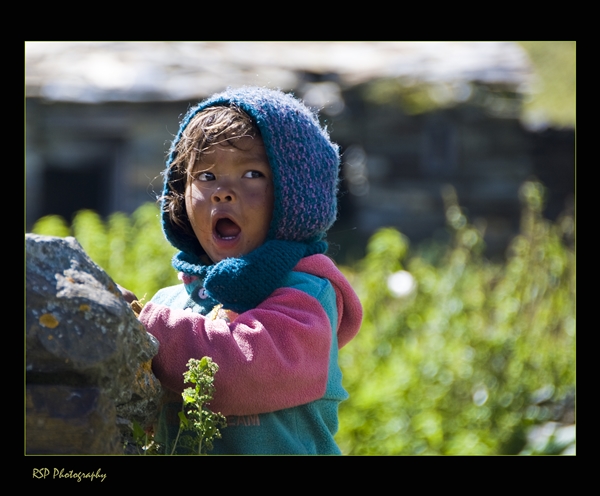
x=240, y=284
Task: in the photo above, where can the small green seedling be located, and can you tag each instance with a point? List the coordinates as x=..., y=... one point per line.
x=199, y=426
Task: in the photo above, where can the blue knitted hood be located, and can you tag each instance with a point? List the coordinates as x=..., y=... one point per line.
x=304, y=164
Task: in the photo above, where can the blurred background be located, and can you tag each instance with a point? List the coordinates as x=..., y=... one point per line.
x=456, y=219
x=410, y=117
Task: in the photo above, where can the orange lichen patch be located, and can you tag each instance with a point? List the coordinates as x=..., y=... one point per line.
x=114, y=289
x=84, y=308
x=48, y=320
x=145, y=367
x=143, y=373
x=70, y=279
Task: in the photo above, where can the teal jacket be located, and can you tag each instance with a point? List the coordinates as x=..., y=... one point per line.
x=279, y=383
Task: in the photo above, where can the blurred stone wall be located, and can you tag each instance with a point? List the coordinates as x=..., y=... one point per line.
x=396, y=166
x=109, y=158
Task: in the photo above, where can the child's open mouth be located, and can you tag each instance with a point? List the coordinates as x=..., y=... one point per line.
x=227, y=229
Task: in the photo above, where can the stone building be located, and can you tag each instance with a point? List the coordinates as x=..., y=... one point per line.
x=100, y=117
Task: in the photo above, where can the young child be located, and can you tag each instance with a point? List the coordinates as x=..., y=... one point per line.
x=250, y=191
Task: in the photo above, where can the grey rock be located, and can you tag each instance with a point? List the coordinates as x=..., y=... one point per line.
x=70, y=420
x=82, y=334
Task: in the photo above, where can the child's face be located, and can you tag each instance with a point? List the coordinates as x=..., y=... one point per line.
x=229, y=198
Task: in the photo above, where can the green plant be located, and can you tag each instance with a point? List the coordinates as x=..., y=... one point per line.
x=141, y=442
x=199, y=426
x=476, y=355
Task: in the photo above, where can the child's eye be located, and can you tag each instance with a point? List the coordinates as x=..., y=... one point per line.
x=205, y=176
x=253, y=174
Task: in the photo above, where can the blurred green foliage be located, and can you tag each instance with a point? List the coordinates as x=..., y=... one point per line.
x=472, y=358
x=132, y=250
x=476, y=356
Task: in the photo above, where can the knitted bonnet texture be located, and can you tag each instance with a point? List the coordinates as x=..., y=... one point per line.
x=304, y=164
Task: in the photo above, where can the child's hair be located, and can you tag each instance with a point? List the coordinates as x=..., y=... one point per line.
x=212, y=126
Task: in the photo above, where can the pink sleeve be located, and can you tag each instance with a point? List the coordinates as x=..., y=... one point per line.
x=272, y=357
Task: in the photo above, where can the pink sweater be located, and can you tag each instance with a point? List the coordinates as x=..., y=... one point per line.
x=272, y=357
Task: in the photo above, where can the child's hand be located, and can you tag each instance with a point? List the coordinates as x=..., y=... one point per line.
x=128, y=295
x=131, y=298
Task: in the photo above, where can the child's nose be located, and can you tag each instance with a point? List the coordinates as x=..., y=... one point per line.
x=223, y=194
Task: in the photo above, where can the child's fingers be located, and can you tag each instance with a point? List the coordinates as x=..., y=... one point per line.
x=128, y=295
